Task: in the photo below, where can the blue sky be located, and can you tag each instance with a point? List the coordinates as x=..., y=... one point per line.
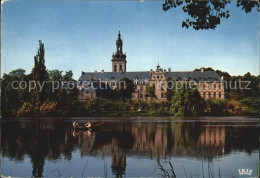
x=81, y=35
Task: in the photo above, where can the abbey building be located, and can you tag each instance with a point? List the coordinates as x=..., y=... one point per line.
x=159, y=80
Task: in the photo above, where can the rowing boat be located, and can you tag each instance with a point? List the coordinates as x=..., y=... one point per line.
x=90, y=127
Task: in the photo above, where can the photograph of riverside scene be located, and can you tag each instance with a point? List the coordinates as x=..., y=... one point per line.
x=130, y=89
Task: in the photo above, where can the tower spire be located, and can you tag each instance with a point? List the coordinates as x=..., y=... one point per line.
x=119, y=35
x=158, y=66
x=119, y=59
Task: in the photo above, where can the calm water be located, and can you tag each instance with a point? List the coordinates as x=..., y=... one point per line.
x=121, y=147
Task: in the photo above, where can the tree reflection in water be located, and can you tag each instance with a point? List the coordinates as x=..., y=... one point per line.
x=52, y=139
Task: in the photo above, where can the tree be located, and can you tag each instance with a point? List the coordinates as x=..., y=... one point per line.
x=62, y=90
x=54, y=79
x=12, y=96
x=150, y=92
x=39, y=75
x=216, y=106
x=206, y=14
x=68, y=93
x=125, y=89
x=205, y=69
x=187, y=101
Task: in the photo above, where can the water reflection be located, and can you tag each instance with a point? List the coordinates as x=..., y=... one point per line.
x=51, y=140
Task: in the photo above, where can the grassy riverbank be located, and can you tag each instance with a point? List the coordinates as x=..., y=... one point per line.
x=102, y=107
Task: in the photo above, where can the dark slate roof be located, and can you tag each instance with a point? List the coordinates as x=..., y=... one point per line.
x=114, y=76
x=194, y=75
x=178, y=76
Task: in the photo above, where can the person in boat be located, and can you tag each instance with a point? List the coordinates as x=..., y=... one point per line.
x=75, y=124
x=88, y=124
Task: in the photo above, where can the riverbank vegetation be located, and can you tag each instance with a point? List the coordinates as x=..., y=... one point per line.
x=58, y=96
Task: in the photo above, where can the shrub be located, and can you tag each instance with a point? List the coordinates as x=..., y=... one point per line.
x=27, y=109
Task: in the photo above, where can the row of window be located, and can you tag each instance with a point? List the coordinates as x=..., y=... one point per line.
x=208, y=87
x=158, y=77
x=212, y=95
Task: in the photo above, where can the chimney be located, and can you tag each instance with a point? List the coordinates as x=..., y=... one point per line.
x=95, y=71
x=202, y=69
x=102, y=71
x=222, y=78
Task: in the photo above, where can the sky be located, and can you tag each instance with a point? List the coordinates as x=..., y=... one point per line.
x=81, y=36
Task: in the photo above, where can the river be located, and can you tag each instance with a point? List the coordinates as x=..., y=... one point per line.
x=131, y=147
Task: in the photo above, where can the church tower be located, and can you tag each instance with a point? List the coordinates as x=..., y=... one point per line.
x=119, y=59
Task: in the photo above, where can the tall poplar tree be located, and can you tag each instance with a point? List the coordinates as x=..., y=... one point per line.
x=39, y=75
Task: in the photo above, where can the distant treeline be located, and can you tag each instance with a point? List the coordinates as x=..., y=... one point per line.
x=42, y=100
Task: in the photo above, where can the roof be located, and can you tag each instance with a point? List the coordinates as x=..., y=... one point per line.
x=114, y=76
x=194, y=75
x=144, y=75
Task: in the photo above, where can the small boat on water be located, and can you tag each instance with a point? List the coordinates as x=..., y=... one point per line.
x=92, y=126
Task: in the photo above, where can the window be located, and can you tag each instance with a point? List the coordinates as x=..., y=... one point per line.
x=215, y=95
x=162, y=88
x=141, y=88
x=204, y=87
x=141, y=95
x=158, y=76
x=154, y=86
x=219, y=86
x=209, y=94
x=115, y=68
x=121, y=67
x=219, y=95
x=161, y=95
x=204, y=95
x=215, y=87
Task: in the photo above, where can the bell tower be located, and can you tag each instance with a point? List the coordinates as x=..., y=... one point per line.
x=119, y=59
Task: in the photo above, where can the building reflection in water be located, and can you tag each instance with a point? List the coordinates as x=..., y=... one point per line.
x=213, y=136
x=156, y=140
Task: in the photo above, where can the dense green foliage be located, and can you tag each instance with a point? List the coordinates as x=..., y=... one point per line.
x=187, y=101
x=39, y=74
x=242, y=95
x=246, y=106
x=207, y=14
x=23, y=96
x=122, y=92
x=101, y=107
